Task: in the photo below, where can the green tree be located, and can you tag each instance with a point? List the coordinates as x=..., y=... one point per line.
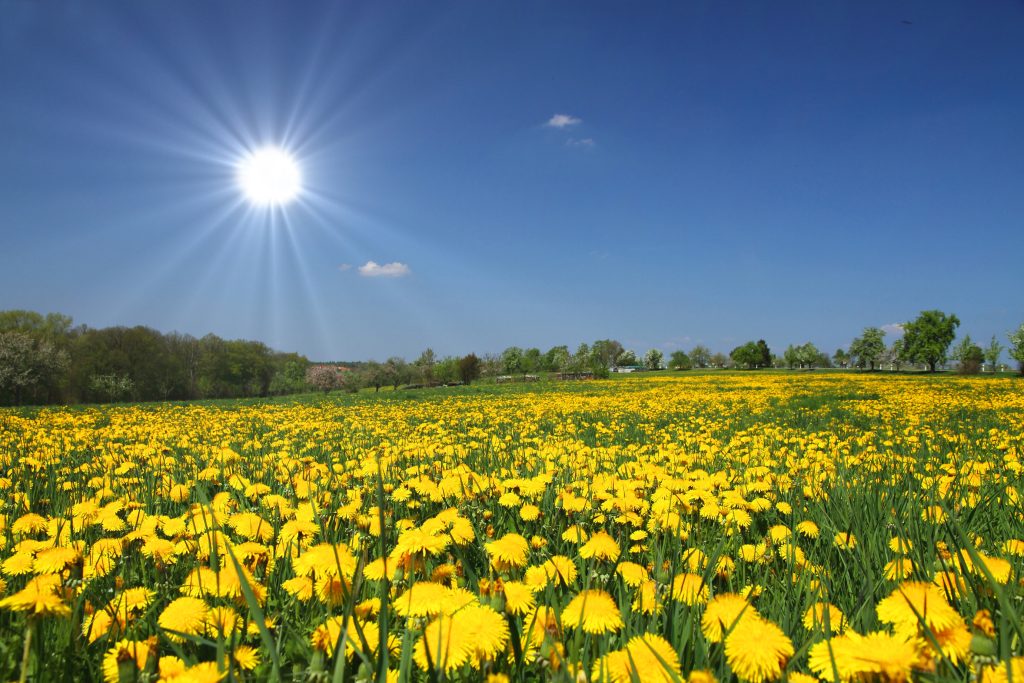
x=557, y=359
x=700, y=356
x=867, y=349
x=469, y=368
x=841, y=358
x=969, y=356
x=1016, y=349
x=606, y=353
x=679, y=361
x=766, y=354
x=927, y=339
x=533, y=360
x=28, y=367
x=992, y=353
x=512, y=361
x=423, y=367
x=653, y=359
x=748, y=355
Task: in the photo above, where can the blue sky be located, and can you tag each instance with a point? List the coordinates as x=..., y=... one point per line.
x=722, y=171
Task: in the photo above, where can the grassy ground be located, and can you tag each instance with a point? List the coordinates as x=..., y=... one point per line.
x=552, y=530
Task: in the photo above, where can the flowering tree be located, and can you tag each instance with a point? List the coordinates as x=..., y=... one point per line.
x=323, y=377
x=1017, y=347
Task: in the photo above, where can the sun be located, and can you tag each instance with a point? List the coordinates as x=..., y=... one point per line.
x=270, y=177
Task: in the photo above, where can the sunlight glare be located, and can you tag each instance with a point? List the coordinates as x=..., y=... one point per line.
x=270, y=177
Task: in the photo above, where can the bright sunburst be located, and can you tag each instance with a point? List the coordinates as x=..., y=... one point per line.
x=270, y=177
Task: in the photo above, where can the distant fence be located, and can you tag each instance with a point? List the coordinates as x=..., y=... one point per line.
x=509, y=379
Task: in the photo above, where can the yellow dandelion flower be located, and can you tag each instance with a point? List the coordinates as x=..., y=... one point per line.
x=137, y=652
x=882, y=654
x=632, y=574
x=689, y=589
x=913, y=602
x=419, y=542
x=510, y=550
x=1004, y=672
x=55, y=560
x=1000, y=569
x=808, y=529
x=40, y=596
x=723, y=613
x=443, y=646
x=594, y=611
x=422, y=599
x=898, y=569
x=185, y=615
x=824, y=617
x=18, y=564
x=519, y=597
x=757, y=650
x=646, y=600
x=1014, y=547
x=900, y=545
x=645, y=659
x=845, y=540
x=561, y=569
x=601, y=546
x=529, y=513
x=246, y=657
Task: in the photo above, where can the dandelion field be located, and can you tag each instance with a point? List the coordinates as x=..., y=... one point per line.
x=716, y=527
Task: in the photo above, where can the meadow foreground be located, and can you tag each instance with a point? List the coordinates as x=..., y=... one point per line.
x=701, y=527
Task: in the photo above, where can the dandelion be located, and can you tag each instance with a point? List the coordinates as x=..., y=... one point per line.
x=645, y=659
x=845, y=541
x=600, y=546
x=824, y=617
x=39, y=597
x=594, y=611
x=510, y=550
x=723, y=612
x=185, y=616
x=519, y=597
x=689, y=589
x=914, y=603
x=757, y=650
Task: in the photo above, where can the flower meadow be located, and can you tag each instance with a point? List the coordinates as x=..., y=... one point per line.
x=707, y=527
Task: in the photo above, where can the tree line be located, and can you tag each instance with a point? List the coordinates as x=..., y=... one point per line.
x=46, y=359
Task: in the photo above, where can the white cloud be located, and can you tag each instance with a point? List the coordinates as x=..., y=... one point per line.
x=345, y=266
x=563, y=121
x=894, y=329
x=584, y=142
x=372, y=269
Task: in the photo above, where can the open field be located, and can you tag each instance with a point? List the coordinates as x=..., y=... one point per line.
x=651, y=528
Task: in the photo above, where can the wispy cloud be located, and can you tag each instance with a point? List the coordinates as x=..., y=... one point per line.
x=373, y=269
x=585, y=143
x=894, y=329
x=345, y=266
x=563, y=121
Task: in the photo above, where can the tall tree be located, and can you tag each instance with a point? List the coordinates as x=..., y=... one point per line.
x=653, y=359
x=679, y=361
x=927, y=338
x=969, y=356
x=469, y=368
x=766, y=354
x=1016, y=349
x=700, y=356
x=867, y=349
x=748, y=355
x=841, y=358
x=992, y=353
